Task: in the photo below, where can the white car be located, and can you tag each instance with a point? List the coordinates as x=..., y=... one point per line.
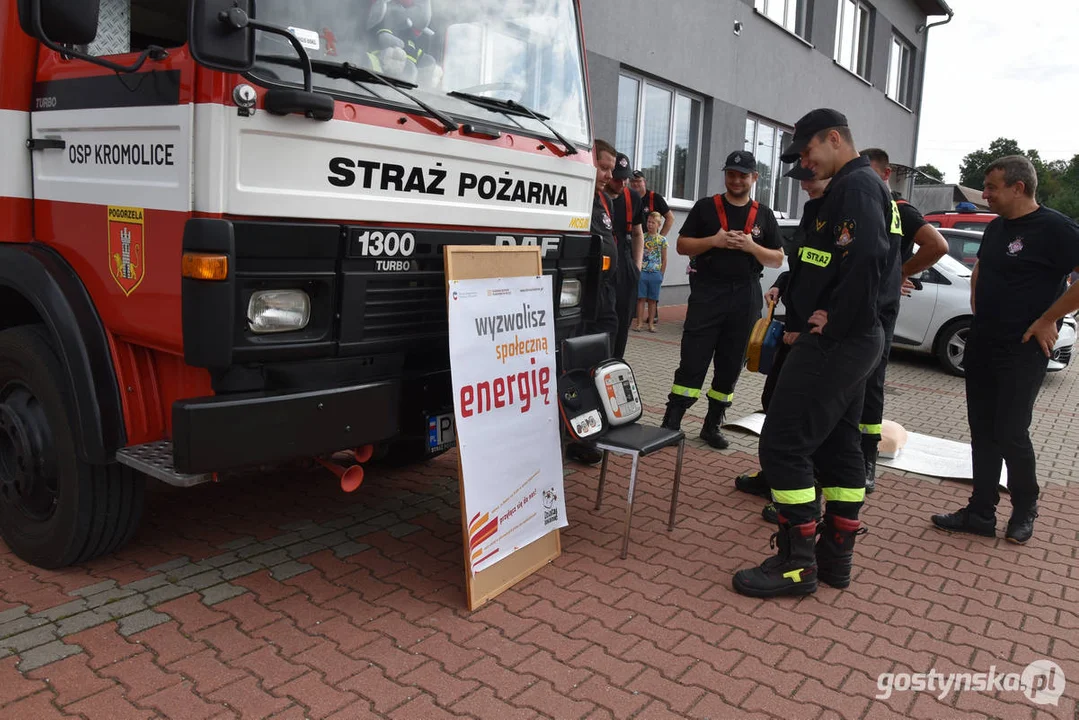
x=936, y=319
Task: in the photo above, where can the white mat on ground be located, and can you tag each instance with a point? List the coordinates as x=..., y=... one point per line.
x=923, y=454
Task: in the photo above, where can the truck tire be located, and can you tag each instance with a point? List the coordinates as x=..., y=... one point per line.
x=55, y=510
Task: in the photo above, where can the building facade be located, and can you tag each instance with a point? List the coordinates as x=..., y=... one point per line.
x=680, y=84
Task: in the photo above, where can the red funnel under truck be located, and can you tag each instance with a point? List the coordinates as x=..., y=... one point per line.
x=221, y=232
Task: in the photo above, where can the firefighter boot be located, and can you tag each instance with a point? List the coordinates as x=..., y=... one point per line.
x=753, y=483
x=771, y=515
x=869, y=451
x=672, y=418
x=835, y=550
x=712, y=421
x=793, y=569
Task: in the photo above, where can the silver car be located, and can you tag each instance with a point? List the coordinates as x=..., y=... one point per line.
x=935, y=320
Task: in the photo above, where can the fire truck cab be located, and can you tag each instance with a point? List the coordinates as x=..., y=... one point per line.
x=221, y=233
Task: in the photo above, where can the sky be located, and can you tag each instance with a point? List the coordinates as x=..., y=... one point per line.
x=1001, y=68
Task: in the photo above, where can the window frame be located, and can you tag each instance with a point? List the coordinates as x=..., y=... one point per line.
x=903, y=94
x=693, y=173
x=801, y=15
x=778, y=129
x=863, y=47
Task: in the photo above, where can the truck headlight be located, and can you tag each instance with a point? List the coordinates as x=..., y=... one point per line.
x=274, y=311
x=571, y=293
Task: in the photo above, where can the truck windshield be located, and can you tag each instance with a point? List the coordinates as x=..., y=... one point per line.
x=527, y=51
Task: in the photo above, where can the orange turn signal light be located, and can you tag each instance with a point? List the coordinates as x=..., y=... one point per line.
x=205, y=266
x=606, y=263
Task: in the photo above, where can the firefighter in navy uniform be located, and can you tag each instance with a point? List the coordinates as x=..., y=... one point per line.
x=755, y=483
x=627, y=214
x=606, y=320
x=931, y=246
x=731, y=238
x=848, y=259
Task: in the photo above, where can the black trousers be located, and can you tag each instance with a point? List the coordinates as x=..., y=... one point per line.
x=772, y=377
x=812, y=422
x=873, y=407
x=1003, y=380
x=719, y=319
x=606, y=309
x=627, y=280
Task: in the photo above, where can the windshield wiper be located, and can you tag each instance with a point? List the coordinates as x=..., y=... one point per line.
x=360, y=75
x=514, y=108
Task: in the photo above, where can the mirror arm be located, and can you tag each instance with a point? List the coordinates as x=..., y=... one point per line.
x=238, y=20
x=153, y=51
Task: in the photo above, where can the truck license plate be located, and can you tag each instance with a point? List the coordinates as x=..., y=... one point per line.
x=440, y=433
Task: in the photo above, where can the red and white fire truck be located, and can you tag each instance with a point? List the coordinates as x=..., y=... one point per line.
x=221, y=233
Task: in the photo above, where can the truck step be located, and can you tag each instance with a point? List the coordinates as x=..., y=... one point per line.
x=155, y=460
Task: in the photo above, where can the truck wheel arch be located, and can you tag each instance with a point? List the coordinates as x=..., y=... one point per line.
x=38, y=279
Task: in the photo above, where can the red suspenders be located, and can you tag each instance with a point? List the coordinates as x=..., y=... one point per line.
x=722, y=212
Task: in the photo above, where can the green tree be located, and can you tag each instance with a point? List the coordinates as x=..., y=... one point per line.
x=931, y=171
x=972, y=169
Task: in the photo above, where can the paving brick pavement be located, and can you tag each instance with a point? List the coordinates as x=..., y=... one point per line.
x=276, y=596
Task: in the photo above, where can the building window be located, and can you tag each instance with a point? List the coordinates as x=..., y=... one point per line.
x=852, y=37
x=659, y=129
x=791, y=14
x=899, y=71
x=766, y=141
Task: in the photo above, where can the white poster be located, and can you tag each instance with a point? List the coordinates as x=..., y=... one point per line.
x=502, y=356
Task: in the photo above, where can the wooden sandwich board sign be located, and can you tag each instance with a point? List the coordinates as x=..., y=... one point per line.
x=509, y=453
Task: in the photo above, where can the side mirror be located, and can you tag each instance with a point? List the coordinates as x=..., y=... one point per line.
x=221, y=34
x=61, y=21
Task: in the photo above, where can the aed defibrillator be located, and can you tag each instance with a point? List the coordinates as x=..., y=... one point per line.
x=593, y=401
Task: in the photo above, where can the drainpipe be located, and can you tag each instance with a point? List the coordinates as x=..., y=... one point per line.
x=919, y=30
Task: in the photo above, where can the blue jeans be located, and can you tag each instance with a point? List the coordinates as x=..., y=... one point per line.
x=649, y=284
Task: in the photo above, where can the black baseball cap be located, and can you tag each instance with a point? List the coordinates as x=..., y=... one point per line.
x=742, y=161
x=638, y=173
x=799, y=173
x=809, y=125
x=622, y=169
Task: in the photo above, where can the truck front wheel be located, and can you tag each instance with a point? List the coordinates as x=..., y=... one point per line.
x=55, y=510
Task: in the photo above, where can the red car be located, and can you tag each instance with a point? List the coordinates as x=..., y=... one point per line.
x=960, y=219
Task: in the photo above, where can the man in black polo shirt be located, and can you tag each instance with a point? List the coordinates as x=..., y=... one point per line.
x=848, y=258
x=931, y=246
x=1018, y=298
x=731, y=238
x=627, y=213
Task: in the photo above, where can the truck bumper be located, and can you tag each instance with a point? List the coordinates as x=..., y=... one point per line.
x=221, y=433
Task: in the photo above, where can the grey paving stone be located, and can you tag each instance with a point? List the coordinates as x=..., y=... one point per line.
x=202, y=580
x=301, y=549
x=95, y=589
x=333, y=538
x=238, y=569
x=289, y=569
x=46, y=654
x=166, y=593
x=143, y=620
x=338, y=523
x=349, y=548
x=13, y=613
x=81, y=621
x=121, y=608
x=170, y=565
x=238, y=543
x=271, y=558
x=20, y=626
x=220, y=593
x=400, y=530
x=286, y=539
x=185, y=571
x=33, y=638
x=218, y=560
x=252, y=550
x=150, y=583
x=299, y=525
x=109, y=596
x=60, y=612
